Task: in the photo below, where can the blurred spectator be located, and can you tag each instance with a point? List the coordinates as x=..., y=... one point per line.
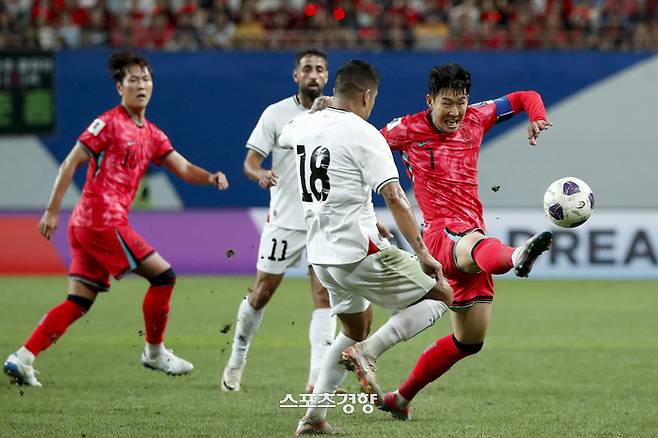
x=340, y=24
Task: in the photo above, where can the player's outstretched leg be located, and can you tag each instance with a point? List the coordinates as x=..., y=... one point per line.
x=19, y=365
x=529, y=252
x=156, y=314
x=246, y=325
x=250, y=315
x=402, y=326
x=332, y=374
x=431, y=365
x=321, y=330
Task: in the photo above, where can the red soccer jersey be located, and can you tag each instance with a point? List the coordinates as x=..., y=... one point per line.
x=443, y=166
x=121, y=152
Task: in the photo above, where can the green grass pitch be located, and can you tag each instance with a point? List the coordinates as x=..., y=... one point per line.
x=563, y=358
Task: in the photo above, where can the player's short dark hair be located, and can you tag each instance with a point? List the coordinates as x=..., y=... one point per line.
x=310, y=52
x=452, y=76
x=120, y=61
x=355, y=77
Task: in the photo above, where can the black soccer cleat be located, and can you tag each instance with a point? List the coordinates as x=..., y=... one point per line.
x=530, y=250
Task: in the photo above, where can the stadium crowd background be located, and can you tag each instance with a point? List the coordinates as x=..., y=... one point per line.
x=363, y=24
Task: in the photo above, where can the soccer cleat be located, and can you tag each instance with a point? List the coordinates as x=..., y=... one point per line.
x=530, y=250
x=388, y=405
x=354, y=359
x=231, y=378
x=168, y=363
x=307, y=427
x=20, y=373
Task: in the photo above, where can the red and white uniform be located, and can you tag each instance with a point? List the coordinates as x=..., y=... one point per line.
x=443, y=171
x=102, y=242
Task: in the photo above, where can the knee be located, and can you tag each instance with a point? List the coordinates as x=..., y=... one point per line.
x=442, y=291
x=467, y=349
x=166, y=278
x=83, y=303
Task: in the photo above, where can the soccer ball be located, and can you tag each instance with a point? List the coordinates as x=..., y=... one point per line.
x=568, y=202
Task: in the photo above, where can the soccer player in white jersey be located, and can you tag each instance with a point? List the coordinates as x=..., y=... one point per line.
x=284, y=236
x=341, y=159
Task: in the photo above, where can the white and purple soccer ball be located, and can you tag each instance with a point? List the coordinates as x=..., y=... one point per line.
x=568, y=202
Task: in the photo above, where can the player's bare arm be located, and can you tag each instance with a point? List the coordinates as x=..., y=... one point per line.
x=398, y=204
x=193, y=174
x=253, y=168
x=50, y=219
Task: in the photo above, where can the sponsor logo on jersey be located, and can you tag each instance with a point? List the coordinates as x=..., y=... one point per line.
x=96, y=127
x=393, y=123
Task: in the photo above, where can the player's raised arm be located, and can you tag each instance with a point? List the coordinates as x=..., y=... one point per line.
x=193, y=174
x=253, y=168
x=531, y=103
x=50, y=219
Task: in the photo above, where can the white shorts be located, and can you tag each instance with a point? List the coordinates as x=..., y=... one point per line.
x=279, y=249
x=391, y=278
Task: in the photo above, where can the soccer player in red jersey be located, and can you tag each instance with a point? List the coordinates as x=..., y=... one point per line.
x=440, y=148
x=118, y=145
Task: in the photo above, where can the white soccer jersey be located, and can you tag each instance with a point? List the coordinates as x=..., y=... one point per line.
x=340, y=159
x=285, y=205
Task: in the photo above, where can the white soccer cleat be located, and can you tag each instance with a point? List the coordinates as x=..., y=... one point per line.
x=231, y=378
x=168, y=363
x=20, y=373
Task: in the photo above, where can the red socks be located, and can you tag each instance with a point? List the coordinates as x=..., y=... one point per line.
x=53, y=325
x=156, y=312
x=435, y=361
x=492, y=256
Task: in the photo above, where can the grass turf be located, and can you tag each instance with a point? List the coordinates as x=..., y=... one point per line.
x=563, y=358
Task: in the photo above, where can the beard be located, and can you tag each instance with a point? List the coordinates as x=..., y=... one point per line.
x=310, y=94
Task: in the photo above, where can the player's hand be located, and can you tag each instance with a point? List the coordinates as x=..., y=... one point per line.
x=430, y=265
x=384, y=231
x=321, y=103
x=535, y=128
x=48, y=224
x=218, y=179
x=268, y=180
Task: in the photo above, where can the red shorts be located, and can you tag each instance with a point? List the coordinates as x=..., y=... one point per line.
x=468, y=288
x=98, y=252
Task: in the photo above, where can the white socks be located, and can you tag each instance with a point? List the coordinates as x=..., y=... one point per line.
x=25, y=356
x=403, y=326
x=154, y=350
x=321, y=333
x=246, y=325
x=332, y=374
x=515, y=255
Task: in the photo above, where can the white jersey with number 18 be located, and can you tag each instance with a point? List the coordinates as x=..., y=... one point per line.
x=340, y=160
